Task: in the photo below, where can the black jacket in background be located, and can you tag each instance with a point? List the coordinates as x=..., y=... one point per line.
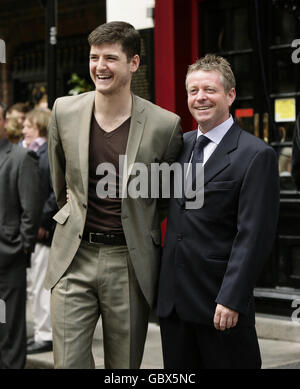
x=21, y=201
x=50, y=207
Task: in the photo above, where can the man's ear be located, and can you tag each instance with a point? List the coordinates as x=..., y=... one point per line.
x=135, y=63
x=231, y=96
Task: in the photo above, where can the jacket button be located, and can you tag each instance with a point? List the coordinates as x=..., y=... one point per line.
x=84, y=206
x=80, y=237
x=179, y=237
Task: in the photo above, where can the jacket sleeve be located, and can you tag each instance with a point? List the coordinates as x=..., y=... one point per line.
x=56, y=159
x=50, y=208
x=170, y=156
x=258, y=209
x=31, y=199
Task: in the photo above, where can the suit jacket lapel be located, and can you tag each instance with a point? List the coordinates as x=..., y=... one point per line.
x=219, y=159
x=136, y=130
x=5, y=148
x=184, y=158
x=189, y=142
x=83, y=122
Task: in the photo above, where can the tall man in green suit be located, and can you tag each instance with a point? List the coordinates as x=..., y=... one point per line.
x=105, y=254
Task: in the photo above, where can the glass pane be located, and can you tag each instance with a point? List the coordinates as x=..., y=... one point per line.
x=285, y=131
x=284, y=26
x=284, y=165
x=242, y=69
x=230, y=31
x=296, y=261
x=239, y=21
x=284, y=71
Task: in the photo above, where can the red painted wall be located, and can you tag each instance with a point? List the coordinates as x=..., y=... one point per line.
x=176, y=45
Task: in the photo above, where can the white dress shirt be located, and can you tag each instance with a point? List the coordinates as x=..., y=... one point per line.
x=35, y=144
x=215, y=136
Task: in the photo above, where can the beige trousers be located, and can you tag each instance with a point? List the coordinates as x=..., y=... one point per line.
x=99, y=282
x=38, y=296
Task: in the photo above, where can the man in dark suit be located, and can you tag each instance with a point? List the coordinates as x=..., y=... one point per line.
x=35, y=138
x=213, y=255
x=20, y=210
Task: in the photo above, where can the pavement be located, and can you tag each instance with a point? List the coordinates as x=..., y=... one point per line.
x=279, y=340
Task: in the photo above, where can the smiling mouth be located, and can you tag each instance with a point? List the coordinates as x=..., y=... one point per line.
x=103, y=77
x=202, y=108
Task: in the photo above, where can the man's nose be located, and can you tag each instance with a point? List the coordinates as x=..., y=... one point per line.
x=201, y=95
x=101, y=63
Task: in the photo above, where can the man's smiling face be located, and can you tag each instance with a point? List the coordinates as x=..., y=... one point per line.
x=208, y=102
x=110, y=68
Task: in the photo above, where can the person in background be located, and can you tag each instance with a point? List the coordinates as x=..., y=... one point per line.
x=14, y=130
x=213, y=254
x=18, y=111
x=285, y=167
x=35, y=138
x=20, y=212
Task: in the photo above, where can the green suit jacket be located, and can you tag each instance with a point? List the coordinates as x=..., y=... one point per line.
x=155, y=135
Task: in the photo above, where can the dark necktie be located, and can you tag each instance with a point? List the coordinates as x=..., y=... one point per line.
x=201, y=142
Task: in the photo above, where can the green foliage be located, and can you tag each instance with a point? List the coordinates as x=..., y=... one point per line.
x=79, y=85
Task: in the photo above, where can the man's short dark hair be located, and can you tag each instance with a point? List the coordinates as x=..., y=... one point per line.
x=117, y=32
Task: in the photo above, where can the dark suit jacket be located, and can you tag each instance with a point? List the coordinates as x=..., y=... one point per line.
x=214, y=254
x=50, y=207
x=20, y=202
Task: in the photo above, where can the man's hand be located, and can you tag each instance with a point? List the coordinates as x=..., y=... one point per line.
x=225, y=318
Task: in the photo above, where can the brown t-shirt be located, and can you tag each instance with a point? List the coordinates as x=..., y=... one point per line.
x=104, y=214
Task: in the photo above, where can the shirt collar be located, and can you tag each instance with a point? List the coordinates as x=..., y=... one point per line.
x=34, y=145
x=216, y=134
